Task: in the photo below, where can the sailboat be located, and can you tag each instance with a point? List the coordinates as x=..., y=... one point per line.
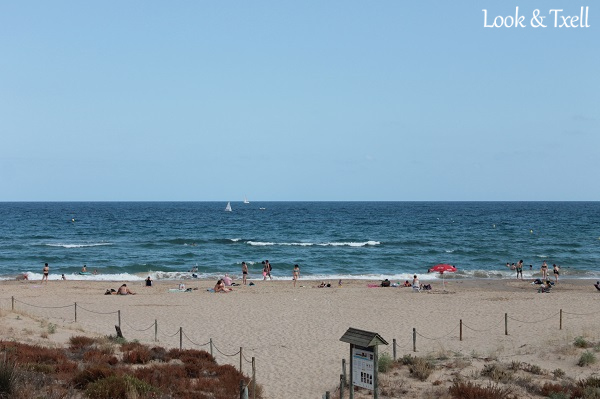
x=246, y=200
x=228, y=207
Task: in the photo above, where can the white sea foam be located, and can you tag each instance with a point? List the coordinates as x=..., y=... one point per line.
x=235, y=239
x=79, y=245
x=309, y=244
x=449, y=251
x=92, y=277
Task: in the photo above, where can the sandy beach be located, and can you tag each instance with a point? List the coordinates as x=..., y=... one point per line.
x=293, y=333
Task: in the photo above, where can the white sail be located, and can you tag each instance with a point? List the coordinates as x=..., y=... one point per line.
x=246, y=200
x=228, y=207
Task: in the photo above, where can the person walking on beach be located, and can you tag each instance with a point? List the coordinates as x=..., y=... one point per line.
x=45, y=271
x=556, y=271
x=265, y=270
x=544, y=270
x=296, y=274
x=269, y=270
x=520, y=269
x=244, y=272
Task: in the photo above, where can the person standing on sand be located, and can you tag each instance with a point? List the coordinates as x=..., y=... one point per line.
x=296, y=274
x=556, y=271
x=520, y=269
x=544, y=270
x=244, y=272
x=45, y=271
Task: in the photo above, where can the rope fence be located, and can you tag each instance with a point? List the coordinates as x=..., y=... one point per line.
x=404, y=343
x=212, y=347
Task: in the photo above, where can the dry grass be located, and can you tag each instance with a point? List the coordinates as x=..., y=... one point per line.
x=469, y=390
x=100, y=372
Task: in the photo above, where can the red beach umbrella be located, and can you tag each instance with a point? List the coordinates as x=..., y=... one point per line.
x=442, y=268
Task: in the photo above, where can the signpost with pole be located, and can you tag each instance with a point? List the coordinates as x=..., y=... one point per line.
x=363, y=359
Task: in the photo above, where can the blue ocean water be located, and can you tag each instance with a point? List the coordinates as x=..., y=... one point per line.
x=329, y=240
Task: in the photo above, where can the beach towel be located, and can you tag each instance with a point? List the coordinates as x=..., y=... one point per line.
x=178, y=290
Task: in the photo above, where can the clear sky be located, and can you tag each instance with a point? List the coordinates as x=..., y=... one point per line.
x=297, y=100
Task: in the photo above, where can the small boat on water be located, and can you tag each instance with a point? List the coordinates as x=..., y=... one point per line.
x=246, y=200
x=228, y=207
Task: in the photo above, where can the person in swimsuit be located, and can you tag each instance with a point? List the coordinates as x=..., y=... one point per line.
x=148, y=282
x=244, y=272
x=220, y=287
x=544, y=271
x=84, y=269
x=296, y=274
x=264, y=270
x=520, y=269
x=269, y=270
x=124, y=290
x=46, y=271
x=556, y=271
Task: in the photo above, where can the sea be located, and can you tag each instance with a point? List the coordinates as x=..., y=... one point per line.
x=330, y=241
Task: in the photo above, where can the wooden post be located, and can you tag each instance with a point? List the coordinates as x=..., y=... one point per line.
x=560, y=324
x=505, y=323
x=341, y=386
x=414, y=339
x=241, y=389
x=394, y=347
x=180, y=338
x=241, y=357
x=461, y=329
x=155, y=330
x=344, y=371
x=211, y=347
x=13, y=303
x=119, y=333
x=376, y=372
x=327, y=395
x=75, y=312
x=119, y=316
x=351, y=378
x=253, y=378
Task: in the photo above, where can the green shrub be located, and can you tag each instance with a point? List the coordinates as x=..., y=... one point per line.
x=8, y=379
x=91, y=374
x=118, y=387
x=420, y=368
x=497, y=373
x=581, y=342
x=558, y=373
x=586, y=359
x=385, y=362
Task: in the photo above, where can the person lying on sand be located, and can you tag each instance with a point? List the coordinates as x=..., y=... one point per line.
x=597, y=285
x=407, y=284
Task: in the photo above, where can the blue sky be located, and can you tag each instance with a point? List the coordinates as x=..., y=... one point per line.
x=305, y=100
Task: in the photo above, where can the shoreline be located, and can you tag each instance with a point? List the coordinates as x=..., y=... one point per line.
x=287, y=328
